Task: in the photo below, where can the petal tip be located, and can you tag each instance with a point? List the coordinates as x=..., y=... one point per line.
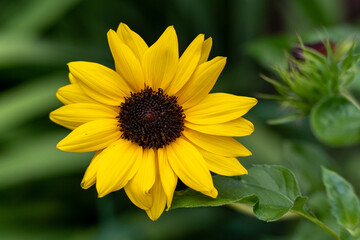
x=170, y=30
x=71, y=64
x=101, y=193
x=213, y=193
x=220, y=60
x=254, y=102
x=60, y=145
x=84, y=185
x=51, y=115
x=111, y=32
x=75, y=64
x=152, y=216
x=122, y=26
x=246, y=153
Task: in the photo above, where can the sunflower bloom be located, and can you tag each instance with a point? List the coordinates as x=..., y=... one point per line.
x=153, y=121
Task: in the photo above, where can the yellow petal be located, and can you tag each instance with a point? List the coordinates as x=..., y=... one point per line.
x=205, y=51
x=91, y=136
x=99, y=82
x=187, y=65
x=219, y=108
x=119, y=163
x=227, y=166
x=167, y=176
x=236, y=128
x=220, y=145
x=72, y=93
x=89, y=178
x=72, y=79
x=132, y=40
x=212, y=193
x=126, y=63
x=140, y=199
x=201, y=82
x=76, y=114
x=159, y=198
x=139, y=186
x=160, y=61
x=189, y=165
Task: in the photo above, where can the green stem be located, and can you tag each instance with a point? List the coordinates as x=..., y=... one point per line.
x=317, y=222
x=351, y=98
x=247, y=209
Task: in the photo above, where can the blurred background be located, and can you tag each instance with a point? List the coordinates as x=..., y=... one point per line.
x=40, y=193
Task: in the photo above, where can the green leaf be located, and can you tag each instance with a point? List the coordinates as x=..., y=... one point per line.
x=273, y=190
x=336, y=121
x=345, y=205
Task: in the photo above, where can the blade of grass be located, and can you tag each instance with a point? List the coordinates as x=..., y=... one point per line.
x=29, y=100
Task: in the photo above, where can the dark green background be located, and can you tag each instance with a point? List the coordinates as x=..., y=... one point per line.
x=40, y=194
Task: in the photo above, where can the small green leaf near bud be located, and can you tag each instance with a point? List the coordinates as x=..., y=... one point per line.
x=336, y=121
x=345, y=205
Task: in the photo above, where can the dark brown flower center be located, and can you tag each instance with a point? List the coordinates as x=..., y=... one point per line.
x=151, y=118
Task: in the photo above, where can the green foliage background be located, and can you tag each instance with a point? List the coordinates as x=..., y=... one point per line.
x=40, y=194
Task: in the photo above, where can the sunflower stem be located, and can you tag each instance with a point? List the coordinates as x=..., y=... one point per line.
x=247, y=209
x=317, y=222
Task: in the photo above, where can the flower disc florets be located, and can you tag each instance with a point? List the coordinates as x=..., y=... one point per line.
x=151, y=118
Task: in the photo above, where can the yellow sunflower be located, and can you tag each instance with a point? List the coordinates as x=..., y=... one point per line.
x=153, y=120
